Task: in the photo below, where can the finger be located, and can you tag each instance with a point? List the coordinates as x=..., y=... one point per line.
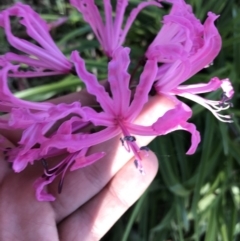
x=81, y=185
x=95, y=218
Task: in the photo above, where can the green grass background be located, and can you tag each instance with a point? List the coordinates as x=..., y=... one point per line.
x=194, y=197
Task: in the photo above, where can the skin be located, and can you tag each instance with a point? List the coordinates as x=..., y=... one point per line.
x=93, y=198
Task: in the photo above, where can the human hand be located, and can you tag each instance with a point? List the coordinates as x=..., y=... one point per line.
x=93, y=198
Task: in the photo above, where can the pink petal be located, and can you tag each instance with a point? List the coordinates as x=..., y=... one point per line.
x=48, y=52
x=118, y=22
x=195, y=136
x=176, y=119
x=93, y=87
x=76, y=142
x=40, y=193
x=119, y=79
x=214, y=84
x=133, y=16
x=98, y=119
x=143, y=88
x=211, y=47
x=92, y=16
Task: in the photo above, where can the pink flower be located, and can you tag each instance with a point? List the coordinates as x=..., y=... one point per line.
x=43, y=58
x=121, y=109
x=109, y=32
x=184, y=46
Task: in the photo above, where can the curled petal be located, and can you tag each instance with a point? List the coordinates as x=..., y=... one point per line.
x=176, y=119
x=214, y=84
x=195, y=136
x=22, y=157
x=45, y=51
x=8, y=100
x=227, y=88
x=92, y=84
x=41, y=193
x=172, y=119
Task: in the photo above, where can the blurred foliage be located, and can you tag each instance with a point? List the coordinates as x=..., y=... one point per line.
x=193, y=198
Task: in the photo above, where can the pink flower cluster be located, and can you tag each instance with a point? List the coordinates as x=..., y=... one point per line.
x=182, y=47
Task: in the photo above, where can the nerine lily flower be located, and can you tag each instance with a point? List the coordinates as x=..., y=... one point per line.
x=109, y=32
x=184, y=47
x=43, y=58
x=121, y=109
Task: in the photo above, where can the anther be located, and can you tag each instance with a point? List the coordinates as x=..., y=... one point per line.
x=225, y=101
x=136, y=163
x=122, y=141
x=129, y=138
x=144, y=148
x=60, y=185
x=45, y=164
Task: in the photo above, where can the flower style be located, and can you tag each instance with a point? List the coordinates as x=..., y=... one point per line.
x=43, y=58
x=110, y=35
x=184, y=46
x=121, y=109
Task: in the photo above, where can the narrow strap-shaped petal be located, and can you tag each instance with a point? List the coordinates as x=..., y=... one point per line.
x=40, y=193
x=145, y=84
x=36, y=27
x=118, y=21
x=195, y=136
x=12, y=57
x=177, y=73
x=211, y=47
x=98, y=119
x=10, y=100
x=46, y=51
x=133, y=16
x=93, y=86
x=92, y=16
x=119, y=78
x=214, y=84
x=23, y=117
x=109, y=30
x=76, y=142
